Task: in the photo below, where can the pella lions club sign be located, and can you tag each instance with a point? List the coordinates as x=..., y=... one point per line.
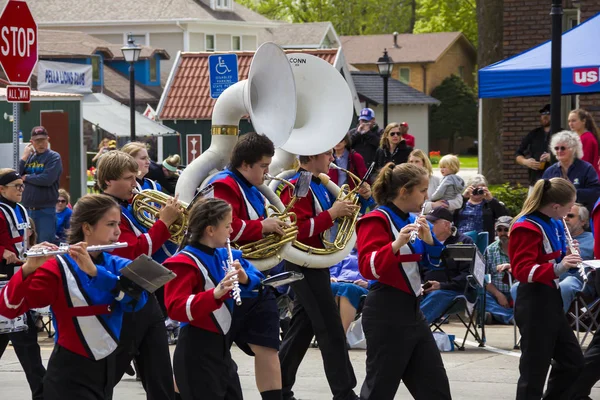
x=586, y=76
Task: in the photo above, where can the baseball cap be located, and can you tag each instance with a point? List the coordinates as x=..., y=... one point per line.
x=505, y=221
x=404, y=124
x=38, y=132
x=366, y=114
x=545, y=110
x=440, y=213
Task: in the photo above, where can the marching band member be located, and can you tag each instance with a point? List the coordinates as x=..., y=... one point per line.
x=199, y=297
x=400, y=345
x=146, y=337
x=87, y=299
x=315, y=311
x=13, y=243
x=538, y=255
x=256, y=322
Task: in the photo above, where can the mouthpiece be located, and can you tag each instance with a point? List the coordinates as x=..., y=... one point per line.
x=333, y=166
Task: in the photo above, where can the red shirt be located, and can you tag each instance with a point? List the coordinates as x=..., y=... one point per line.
x=245, y=229
x=410, y=140
x=590, y=150
x=356, y=165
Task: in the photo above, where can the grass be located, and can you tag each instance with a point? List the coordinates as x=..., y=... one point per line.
x=469, y=161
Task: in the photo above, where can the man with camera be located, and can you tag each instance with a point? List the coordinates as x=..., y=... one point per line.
x=366, y=136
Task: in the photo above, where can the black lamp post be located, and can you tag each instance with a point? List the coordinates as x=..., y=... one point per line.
x=131, y=53
x=385, y=65
x=556, y=66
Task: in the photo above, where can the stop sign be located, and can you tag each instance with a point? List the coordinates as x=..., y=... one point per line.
x=18, y=42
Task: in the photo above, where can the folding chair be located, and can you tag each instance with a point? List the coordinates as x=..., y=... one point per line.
x=517, y=342
x=462, y=303
x=585, y=313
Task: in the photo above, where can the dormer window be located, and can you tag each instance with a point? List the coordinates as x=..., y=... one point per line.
x=223, y=5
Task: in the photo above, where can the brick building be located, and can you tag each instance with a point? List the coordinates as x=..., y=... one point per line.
x=527, y=23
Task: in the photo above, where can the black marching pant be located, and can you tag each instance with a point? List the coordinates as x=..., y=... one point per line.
x=400, y=346
x=546, y=339
x=203, y=366
x=144, y=333
x=316, y=314
x=71, y=376
x=28, y=352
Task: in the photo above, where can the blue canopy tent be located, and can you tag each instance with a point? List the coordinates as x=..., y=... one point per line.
x=528, y=74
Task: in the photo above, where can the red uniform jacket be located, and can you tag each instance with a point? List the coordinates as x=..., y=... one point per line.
x=356, y=165
x=245, y=228
x=189, y=287
x=376, y=259
x=310, y=222
x=596, y=229
x=528, y=259
x=146, y=243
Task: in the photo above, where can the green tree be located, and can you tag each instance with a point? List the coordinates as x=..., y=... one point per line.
x=447, y=16
x=457, y=114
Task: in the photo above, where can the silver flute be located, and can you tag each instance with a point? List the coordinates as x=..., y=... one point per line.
x=65, y=249
x=415, y=234
x=236, y=292
x=573, y=249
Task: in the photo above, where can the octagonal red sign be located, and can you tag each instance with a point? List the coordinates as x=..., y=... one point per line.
x=18, y=41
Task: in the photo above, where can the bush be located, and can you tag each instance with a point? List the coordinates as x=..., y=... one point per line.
x=434, y=157
x=513, y=197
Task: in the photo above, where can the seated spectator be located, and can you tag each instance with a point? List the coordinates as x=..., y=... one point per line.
x=392, y=147
x=63, y=215
x=348, y=286
x=451, y=185
x=571, y=281
x=419, y=158
x=567, y=148
x=499, y=302
x=480, y=209
x=444, y=283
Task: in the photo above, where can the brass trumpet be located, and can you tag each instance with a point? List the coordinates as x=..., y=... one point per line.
x=146, y=207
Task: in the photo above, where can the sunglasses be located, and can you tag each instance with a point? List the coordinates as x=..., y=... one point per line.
x=501, y=229
x=561, y=148
x=61, y=201
x=570, y=215
x=394, y=133
x=18, y=186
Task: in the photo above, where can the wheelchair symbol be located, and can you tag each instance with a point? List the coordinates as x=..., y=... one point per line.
x=221, y=68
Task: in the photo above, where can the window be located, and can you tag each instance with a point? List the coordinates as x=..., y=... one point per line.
x=236, y=43
x=210, y=43
x=153, y=68
x=404, y=75
x=96, y=68
x=140, y=40
x=461, y=72
x=225, y=5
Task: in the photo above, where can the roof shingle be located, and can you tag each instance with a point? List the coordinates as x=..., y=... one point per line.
x=306, y=34
x=188, y=95
x=369, y=85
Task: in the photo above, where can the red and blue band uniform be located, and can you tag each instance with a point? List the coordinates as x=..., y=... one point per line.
x=202, y=360
x=144, y=336
x=315, y=311
x=256, y=321
x=392, y=310
x=13, y=228
x=537, y=245
x=87, y=314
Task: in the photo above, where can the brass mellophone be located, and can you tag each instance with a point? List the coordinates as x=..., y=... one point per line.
x=65, y=249
x=236, y=292
x=574, y=251
x=415, y=234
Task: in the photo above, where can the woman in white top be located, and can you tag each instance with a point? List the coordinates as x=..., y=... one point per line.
x=419, y=158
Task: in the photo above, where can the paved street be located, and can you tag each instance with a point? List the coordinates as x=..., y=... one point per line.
x=476, y=373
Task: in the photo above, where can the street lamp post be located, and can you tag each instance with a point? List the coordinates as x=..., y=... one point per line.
x=385, y=66
x=131, y=53
x=556, y=66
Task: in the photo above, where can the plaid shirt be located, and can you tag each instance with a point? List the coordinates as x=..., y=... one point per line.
x=494, y=256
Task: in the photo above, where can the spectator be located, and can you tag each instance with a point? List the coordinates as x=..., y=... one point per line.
x=452, y=185
x=533, y=152
x=63, y=215
x=419, y=158
x=166, y=174
x=410, y=139
x=348, y=287
x=567, y=148
x=392, y=147
x=366, y=136
x=498, y=305
x=41, y=168
x=104, y=147
x=480, y=208
x=582, y=123
x=444, y=283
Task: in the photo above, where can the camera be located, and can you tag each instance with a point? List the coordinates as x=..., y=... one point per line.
x=477, y=191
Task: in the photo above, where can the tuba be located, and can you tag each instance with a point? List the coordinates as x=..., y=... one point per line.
x=146, y=207
x=269, y=97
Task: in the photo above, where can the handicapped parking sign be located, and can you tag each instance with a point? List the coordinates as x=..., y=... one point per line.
x=223, y=72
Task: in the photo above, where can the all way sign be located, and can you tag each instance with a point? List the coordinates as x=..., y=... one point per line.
x=18, y=94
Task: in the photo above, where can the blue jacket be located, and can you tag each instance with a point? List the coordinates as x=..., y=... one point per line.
x=42, y=181
x=583, y=176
